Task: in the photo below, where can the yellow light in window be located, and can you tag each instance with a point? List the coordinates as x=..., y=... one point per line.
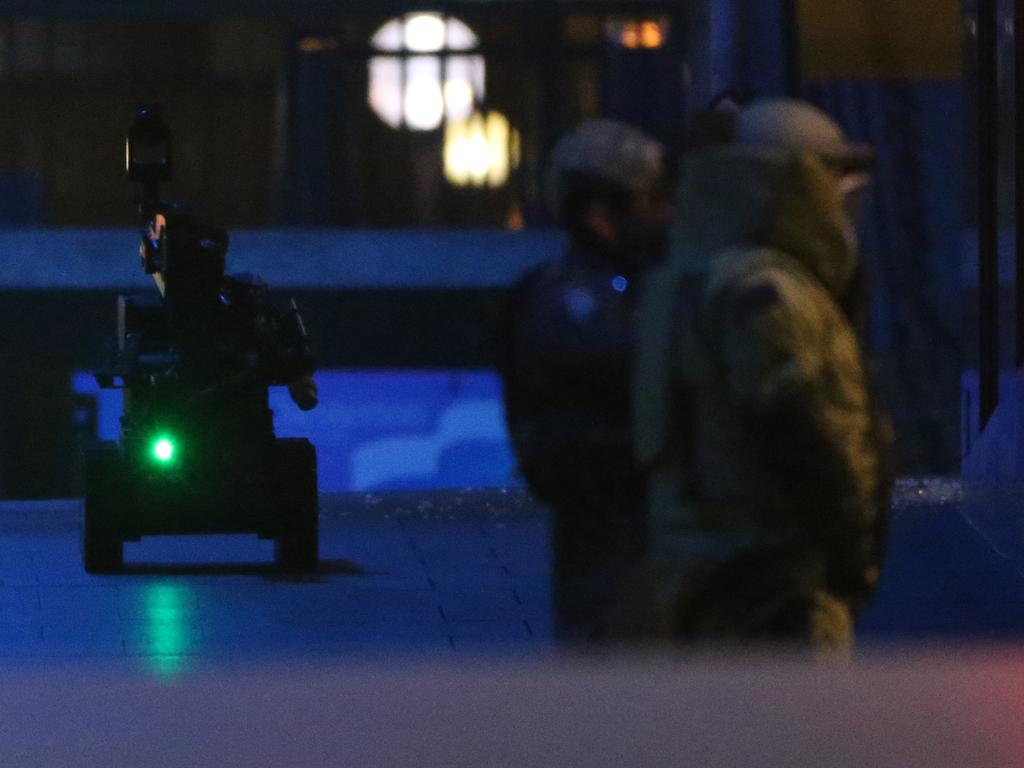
x=630, y=37
x=480, y=151
x=498, y=149
x=458, y=97
x=456, y=165
x=646, y=34
x=315, y=44
x=478, y=155
x=651, y=35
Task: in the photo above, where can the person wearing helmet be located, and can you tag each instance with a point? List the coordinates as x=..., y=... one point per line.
x=567, y=353
x=767, y=456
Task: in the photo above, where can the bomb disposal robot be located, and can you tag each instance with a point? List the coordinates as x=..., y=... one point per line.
x=197, y=451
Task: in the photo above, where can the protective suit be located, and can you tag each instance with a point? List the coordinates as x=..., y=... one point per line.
x=753, y=415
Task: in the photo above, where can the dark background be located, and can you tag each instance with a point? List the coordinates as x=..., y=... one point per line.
x=267, y=101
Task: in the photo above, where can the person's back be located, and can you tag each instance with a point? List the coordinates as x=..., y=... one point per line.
x=766, y=454
x=568, y=351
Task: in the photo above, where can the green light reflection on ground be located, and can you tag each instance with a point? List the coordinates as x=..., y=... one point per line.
x=166, y=607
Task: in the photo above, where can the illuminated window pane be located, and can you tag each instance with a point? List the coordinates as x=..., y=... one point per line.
x=480, y=151
x=424, y=33
x=435, y=86
x=424, y=102
x=386, y=89
x=460, y=37
x=463, y=81
x=389, y=37
x=639, y=33
x=497, y=131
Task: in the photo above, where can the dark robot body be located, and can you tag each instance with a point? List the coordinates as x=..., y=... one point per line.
x=197, y=452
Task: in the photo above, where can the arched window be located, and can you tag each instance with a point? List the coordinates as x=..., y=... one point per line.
x=428, y=71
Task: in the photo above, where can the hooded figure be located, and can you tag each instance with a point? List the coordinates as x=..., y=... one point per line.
x=768, y=488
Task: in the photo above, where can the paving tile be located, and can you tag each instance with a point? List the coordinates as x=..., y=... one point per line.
x=466, y=604
x=450, y=541
x=287, y=640
x=499, y=640
x=172, y=639
x=19, y=597
x=494, y=631
x=162, y=666
x=371, y=581
x=431, y=582
x=448, y=573
x=333, y=604
x=83, y=616
x=541, y=626
x=367, y=549
x=536, y=601
x=18, y=577
x=108, y=593
x=524, y=557
x=66, y=573
x=94, y=640
x=164, y=601
x=195, y=550
x=16, y=552
x=19, y=616
x=528, y=570
x=21, y=641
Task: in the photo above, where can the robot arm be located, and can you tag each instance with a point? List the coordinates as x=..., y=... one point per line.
x=281, y=340
x=301, y=386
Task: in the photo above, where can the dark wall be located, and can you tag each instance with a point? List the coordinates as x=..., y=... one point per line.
x=69, y=90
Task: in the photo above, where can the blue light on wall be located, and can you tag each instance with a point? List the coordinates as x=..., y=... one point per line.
x=385, y=430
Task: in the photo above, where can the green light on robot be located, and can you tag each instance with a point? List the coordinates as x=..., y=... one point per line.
x=163, y=450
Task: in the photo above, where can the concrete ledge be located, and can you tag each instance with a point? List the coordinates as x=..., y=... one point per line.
x=45, y=259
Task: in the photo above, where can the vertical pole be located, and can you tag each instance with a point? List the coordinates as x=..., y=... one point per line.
x=549, y=118
x=711, y=48
x=1018, y=87
x=988, y=212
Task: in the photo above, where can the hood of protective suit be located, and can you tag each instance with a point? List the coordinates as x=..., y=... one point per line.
x=749, y=196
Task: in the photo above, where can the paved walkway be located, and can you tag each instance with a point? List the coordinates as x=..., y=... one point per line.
x=443, y=575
